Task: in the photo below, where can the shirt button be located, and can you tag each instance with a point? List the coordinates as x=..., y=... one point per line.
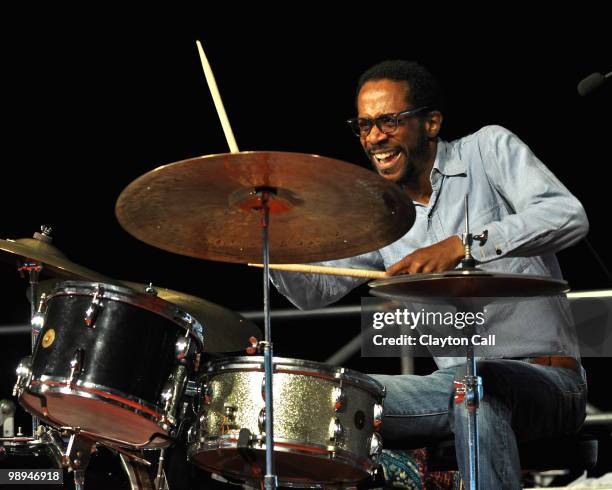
x=498, y=251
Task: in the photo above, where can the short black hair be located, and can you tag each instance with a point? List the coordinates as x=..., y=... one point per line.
x=425, y=90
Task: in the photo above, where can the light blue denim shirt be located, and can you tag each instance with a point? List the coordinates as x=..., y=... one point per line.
x=528, y=213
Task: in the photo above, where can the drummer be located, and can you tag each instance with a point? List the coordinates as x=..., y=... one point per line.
x=538, y=389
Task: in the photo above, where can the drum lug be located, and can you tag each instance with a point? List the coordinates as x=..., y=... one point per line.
x=378, y=415
x=205, y=395
x=171, y=395
x=76, y=366
x=181, y=348
x=96, y=304
x=202, y=429
x=38, y=320
x=376, y=446
x=24, y=376
x=336, y=431
x=339, y=399
x=193, y=390
x=192, y=434
x=261, y=421
x=230, y=416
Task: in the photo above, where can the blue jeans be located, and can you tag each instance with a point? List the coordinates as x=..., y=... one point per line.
x=521, y=402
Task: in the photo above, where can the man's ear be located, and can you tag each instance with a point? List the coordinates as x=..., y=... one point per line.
x=433, y=123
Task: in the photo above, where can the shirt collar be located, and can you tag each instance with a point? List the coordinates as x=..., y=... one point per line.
x=447, y=161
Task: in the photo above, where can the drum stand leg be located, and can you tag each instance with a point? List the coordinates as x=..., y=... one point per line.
x=139, y=477
x=77, y=458
x=160, y=477
x=473, y=392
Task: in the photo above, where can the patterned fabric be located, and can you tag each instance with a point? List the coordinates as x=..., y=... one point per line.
x=407, y=470
x=401, y=469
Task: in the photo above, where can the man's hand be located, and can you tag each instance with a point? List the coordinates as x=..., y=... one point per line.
x=439, y=257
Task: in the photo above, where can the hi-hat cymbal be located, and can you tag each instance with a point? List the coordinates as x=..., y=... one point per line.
x=320, y=208
x=224, y=330
x=54, y=262
x=467, y=283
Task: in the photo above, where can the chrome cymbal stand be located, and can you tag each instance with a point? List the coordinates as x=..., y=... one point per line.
x=270, y=481
x=469, y=391
x=265, y=200
x=33, y=269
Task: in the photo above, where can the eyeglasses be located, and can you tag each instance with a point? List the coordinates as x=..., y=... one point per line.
x=386, y=123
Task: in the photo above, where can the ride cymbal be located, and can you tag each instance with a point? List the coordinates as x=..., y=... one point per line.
x=320, y=208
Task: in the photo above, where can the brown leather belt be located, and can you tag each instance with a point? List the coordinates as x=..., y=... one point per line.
x=557, y=361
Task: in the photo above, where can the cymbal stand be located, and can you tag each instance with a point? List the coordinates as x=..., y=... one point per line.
x=33, y=269
x=469, y=391
x=270, y=481
x=265, y=200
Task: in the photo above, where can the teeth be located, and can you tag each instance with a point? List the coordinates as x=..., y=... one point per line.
x=387, y=154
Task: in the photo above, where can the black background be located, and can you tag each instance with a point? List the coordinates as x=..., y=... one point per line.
x=93, y=100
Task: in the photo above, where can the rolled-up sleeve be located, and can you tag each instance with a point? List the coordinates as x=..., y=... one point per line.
x=544, y=216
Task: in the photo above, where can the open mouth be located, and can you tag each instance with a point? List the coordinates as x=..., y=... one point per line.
x=385, y=160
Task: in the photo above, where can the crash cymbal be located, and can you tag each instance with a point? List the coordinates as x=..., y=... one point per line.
x=320, y=208
x=55, y=263
x=224, y=330
x=470, y=283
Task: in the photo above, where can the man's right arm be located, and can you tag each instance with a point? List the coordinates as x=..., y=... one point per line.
x=309, y=291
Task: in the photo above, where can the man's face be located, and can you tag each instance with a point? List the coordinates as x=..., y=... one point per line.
x=393, y=155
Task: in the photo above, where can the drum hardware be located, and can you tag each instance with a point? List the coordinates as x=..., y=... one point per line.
x=340, y=398
x=40, y=256
x=24, y=376
x=376, y=446
x=176, y=386
x=7, y=418
x=378, y=416
x=137, y=473
x=96, y=303
x=193, y=389
x=171, y=396
x=38, y=319
x=468, y=261
x=336, y=432
x=76, y=366
x=160, y=477
x=256, y=346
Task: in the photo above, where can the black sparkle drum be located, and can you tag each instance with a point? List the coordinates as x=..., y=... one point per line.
x=325, y=422
x=111, y=361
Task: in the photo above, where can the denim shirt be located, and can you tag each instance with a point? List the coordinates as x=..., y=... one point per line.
x=528, y=214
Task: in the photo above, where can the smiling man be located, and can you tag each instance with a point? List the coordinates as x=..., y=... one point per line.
x=534, y=385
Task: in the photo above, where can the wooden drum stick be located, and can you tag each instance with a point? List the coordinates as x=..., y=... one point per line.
x=336, y=271
x=214, y=91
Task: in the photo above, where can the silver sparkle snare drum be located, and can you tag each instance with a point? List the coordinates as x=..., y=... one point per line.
x=325, y=421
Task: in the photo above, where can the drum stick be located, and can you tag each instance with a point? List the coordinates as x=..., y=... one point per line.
x=214, y=91
x=335, y=271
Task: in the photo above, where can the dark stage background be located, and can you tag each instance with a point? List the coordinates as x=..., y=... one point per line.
x=91, y=104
